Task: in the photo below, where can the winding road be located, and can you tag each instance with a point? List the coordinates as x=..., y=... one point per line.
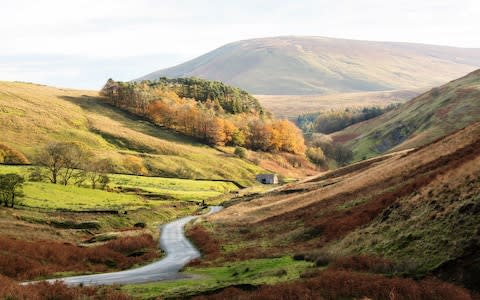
x=179, y=251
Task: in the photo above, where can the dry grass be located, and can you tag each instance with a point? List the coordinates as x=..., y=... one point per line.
x=32, y=115
x=291, y=106
x=23, y=260
x=9, y=289
x=389, y=169
x=416, y=208
x=338, y=284
x=288, y=165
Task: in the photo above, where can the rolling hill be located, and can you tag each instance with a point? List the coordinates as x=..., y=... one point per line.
x=32, y=115
x=419, y=121
x=375, y=229
x=292, y=106
x=319, y=65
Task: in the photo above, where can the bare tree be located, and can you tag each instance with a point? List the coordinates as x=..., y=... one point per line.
x=62, y=159
x=97, y=170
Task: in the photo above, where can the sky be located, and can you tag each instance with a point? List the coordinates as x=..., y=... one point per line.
x=82, y=43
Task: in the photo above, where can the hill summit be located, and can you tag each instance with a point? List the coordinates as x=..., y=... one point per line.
x=317, y=65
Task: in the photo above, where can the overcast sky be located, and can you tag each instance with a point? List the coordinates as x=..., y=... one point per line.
x=82, y=43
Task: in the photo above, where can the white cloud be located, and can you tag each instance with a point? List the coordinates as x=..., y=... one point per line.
x=103, y=29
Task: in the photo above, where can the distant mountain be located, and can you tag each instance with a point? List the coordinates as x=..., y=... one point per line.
x=318, y=65
x=419, y=121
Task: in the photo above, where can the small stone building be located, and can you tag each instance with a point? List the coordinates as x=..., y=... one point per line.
x=267, y=178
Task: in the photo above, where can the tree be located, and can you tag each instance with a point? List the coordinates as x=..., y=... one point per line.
x=316, y=155
x=241, y=152
x=62, y=159
x=259, y=135
x=215, y=132
x=96, y=171
x=104, y=181
x=10, y=189
x=342, y=154
x=135, y=165
x=229, y=129
x=287, y=137
x=161, y=113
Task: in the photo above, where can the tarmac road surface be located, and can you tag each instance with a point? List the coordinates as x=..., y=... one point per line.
x=179, y=251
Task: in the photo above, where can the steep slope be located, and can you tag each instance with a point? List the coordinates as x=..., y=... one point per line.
x=317, y=65
x=411, y=213
x=419, y=121
x=33, y=115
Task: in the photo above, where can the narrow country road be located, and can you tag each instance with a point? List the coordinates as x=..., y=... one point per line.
x=179, y=251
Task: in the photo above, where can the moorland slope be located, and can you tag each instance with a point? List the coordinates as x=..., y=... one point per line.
x=423, y=119
x=408, y=214
x=317, y=65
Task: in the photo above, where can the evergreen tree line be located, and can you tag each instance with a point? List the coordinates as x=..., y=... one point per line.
x=137, y=95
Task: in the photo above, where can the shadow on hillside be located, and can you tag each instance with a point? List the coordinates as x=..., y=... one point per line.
x=95, y=105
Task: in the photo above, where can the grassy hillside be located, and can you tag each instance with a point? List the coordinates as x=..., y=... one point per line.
x=421, y=120
x=318, y=65
x=32, y=115
x=368, y=227
x=128, y=192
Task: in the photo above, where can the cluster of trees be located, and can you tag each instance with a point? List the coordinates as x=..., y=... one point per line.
x=221, y=115
x=69, y=161
x=321, y=149
x=10, y=189
x=136, y=96
x=205, y=124
x=335, y=120
x=201, y=122
x=233, y=100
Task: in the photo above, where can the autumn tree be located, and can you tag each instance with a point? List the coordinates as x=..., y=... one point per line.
x=287, y=137
x=259, y=135
x=10, y=189
x=334, y=151
x=316, y=155
x=161, y=114
x=11, y=156
x=229, y=130
x=215, y=132
x=135, y=165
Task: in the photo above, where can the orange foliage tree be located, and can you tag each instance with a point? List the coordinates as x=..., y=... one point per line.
x=206, y=120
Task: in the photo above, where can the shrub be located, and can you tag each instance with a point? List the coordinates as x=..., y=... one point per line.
x=342, y=154
x=320, y=258
x=337, y=284
x=316, y=155
x=364, y=263
x=27, y=260
x=11, y=156
x=241, y=152
x=36, y=174
x=210, y=247
x=43, y=290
